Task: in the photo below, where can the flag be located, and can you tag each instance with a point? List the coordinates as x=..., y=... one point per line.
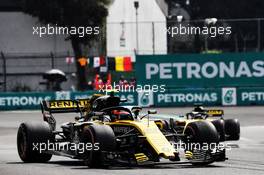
x=96, y=62
x=69, y=60
x=123, y=64
x=119, y=63
x=127, y=64
x=102, y=61
x=103, y=65
x=82, y=61
x=111, y=63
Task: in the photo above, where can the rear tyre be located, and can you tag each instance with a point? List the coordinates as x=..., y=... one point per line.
x=29, y=137
x=220, y=127
x=232, y=129
x=104, y=138
x=163, y=125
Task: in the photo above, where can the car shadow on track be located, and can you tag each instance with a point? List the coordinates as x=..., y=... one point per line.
x=81, y=165
x=78, y=165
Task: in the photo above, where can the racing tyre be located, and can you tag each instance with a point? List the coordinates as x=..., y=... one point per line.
x=220, y=127
x=163, y=125
x=200, y=133
x=29, y=137
x=232, y=129
x=103, y=140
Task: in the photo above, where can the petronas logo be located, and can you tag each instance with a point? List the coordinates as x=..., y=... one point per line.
x=228, y=97
x=144, y=99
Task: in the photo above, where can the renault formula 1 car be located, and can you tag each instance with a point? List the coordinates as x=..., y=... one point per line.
x=106, y=133
x=228, y=129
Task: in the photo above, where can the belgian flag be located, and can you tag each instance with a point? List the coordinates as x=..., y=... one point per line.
x=123, y=64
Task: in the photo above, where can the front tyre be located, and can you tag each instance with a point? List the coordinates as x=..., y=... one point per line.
x=29, y=137
x=200, y=135
x=102, y=136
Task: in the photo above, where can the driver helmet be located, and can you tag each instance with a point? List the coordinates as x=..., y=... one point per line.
x=198, y=109
x=120, y=115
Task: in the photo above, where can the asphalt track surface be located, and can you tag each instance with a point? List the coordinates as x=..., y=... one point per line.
x=248, y=158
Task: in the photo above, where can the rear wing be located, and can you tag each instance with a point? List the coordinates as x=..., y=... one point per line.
x=215, y=112
x=64, y=106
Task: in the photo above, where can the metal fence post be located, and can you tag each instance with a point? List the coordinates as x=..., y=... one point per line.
x=52, y=60
x=4, y=70
x=153, y=38
x=259, y=35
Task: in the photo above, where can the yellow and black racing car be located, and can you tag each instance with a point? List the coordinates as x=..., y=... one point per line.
x=106, y=133
x=228, y=129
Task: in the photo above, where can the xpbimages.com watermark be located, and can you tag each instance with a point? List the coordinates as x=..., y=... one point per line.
x=132, y=88
x=212, y=31
x=79, y=147
x=60, y=30
x=201, y=146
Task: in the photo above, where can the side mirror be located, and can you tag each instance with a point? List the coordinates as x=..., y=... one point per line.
x=136, y=108
x=153, y=111
x=149, y=112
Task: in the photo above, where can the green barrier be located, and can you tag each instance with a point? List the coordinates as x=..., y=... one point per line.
x=201, y=70
x=27, y=100
x=250, y=96
x=131, y=97
x=12, y=101
x=82, y=95
x=170, y=98
x=188, y=97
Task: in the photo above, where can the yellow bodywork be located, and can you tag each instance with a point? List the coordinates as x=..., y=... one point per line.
x=147, y=128
x=141, y=157
x=153, y=135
